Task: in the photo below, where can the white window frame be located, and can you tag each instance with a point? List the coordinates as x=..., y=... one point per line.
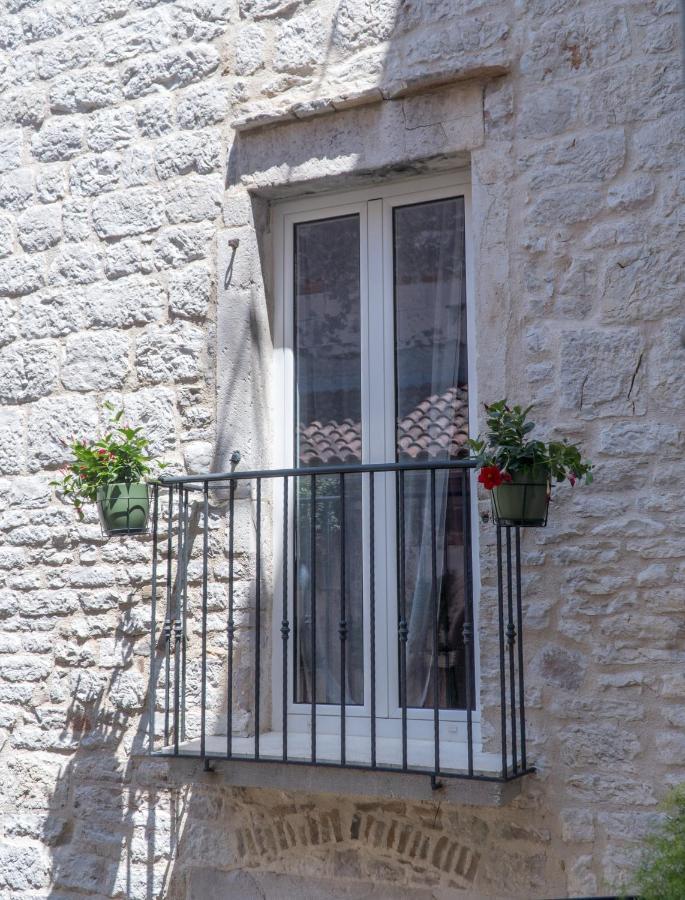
x=374, y=205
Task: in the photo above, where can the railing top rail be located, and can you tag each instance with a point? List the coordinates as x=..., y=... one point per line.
x=422, y=465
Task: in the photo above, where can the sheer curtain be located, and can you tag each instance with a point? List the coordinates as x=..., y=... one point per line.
x=328, y=386
x=430, y=309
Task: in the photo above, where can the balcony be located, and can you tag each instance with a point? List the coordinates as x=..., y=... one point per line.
x=324, y=620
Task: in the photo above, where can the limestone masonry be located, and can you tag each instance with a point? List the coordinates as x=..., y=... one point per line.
x=136, y=139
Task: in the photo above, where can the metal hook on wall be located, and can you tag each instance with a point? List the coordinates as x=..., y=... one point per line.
x=233, y=243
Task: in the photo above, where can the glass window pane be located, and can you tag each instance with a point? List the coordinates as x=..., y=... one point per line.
x=432, y=423
x=328, y=431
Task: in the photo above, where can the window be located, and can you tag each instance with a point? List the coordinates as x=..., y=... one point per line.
x=373, y=366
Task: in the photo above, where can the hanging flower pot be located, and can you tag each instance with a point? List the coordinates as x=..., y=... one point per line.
x=519, y=472
x=123, y=508
x=110, y=471
x=524, y=500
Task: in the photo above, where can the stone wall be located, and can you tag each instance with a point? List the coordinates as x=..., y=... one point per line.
x=130, y=133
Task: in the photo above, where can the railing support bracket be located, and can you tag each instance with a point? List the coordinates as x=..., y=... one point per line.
x=436, y=784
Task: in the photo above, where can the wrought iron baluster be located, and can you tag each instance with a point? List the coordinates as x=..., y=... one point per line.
x=177, y=628
x=184, y=634
x=285, y=625
x=468, y=615
x=312, y=560
x=519, y=617
x=402, y=617
x=434, y=603
x=258, y=613
x=203, y=675
x=230, y=629
x=152, y=690
x=343, y=619
x=372, y=612
x=502, y=675
x=511, y=640
x=167, y=621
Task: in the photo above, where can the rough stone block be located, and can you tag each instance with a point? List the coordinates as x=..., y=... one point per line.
x=179, y=245
x=359, y=24
x=40, y=227
x=577, y=825
x=548, y=111
x=27, y=371
x=170, y=69
x=93, y=89
x=202, y=105
x=137, y=166
x=155, y=116
x=190, y=291
x=8, y=321
x=51, y=183
x=6, y=236
x=263, y=9
x=633, y=92
x=566, y=206
x=12, y=436
x=52, y=313
x=23, y=106
x=300, y=44
x=10, y=149
x=170, y=353
x=74, y=52
x=658, y=143
x=94, y=174
x=128, y=691
x=21, y=275
x=623, y=439
x=144, y=33
x=600, y=370
x=462, y=45
x=111, y=129
x=128, y=257
x=126, y=213
x=61, y=137
x=126, y=302
x=198, y=456
x=630, y=194
x=16, y=190
x=23, y=868
x=195, y=198
x=642, y=283
x=578, y=43
x=76, y=220
x=249, y=49
x=581, y=158
x=666, y=366
x=76, y=264
x=560, y=667
x=184, y=153
x=95, y=362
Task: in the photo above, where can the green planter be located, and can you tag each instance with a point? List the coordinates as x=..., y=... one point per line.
x=524, y=500
x=123, y=508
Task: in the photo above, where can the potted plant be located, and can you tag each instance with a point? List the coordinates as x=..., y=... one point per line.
x=110, y=472
x=519, y=472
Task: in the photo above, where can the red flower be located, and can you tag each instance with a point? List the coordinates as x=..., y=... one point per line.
x=492, y=476
x=572, y=479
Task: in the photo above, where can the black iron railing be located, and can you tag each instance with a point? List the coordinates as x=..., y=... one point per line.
x=247, y=565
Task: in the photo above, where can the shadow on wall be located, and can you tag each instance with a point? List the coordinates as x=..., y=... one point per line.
x=114, y=825
x=123, y=825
